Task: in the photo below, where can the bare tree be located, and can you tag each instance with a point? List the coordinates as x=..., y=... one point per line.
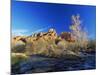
x=78, y=32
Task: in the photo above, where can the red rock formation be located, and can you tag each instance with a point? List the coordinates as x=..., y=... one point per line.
x=67, y=36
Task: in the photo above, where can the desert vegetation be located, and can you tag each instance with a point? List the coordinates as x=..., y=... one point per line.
x=51, y=44
x=66, y=45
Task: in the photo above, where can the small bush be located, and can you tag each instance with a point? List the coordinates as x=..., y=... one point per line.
x=18, y=57
x=91, y=45
x=19, y=49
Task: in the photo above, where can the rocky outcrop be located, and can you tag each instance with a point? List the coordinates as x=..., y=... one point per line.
x=51, y=34
x=67, y=36
x=18, y=44
x=47, y=43
x=18, y=39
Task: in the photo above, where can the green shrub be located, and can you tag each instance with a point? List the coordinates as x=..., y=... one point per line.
x=17, y=58
x=19, y=49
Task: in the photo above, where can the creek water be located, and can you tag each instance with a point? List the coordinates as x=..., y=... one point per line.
x=40, y=64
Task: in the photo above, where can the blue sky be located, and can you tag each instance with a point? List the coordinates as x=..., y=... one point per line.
x=33, y=17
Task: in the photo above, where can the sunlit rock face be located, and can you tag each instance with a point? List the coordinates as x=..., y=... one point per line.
x=51, y=34
x=46, y=36
x=48, y=43
x=18, y=40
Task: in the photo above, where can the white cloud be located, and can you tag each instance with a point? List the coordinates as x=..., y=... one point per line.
x=41, y=29
x=23, y=32
x=19, y=32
